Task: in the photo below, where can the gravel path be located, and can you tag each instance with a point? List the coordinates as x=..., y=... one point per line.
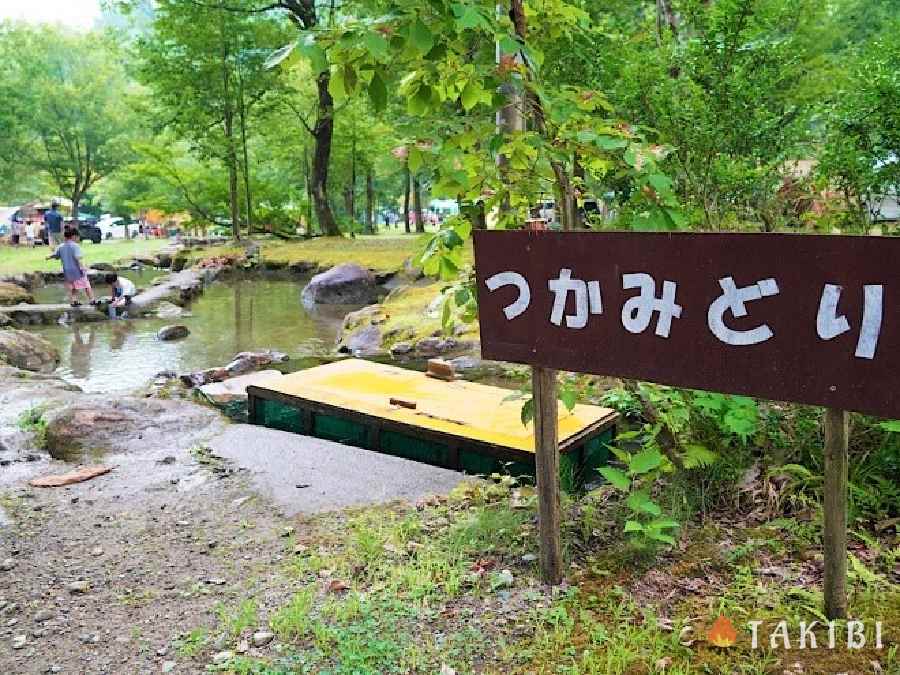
x=112, y=575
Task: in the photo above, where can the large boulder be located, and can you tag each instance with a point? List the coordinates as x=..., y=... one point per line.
x=13, y=294
x=28, y=351
x=93, y=424
x=346, y=284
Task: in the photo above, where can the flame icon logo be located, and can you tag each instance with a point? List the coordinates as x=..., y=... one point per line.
x=722, y=633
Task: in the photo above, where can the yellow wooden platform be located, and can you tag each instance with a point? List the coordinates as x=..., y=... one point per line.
x=466, y=409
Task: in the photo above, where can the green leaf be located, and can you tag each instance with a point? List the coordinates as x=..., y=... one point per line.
x=509, y=45
x=640, y=502
x=471, y=95
x=645, y=461
x=660, y=182
x=663, y=524
x=279, y=55
x=350, y=79
x=468, y=17
x=610, y=143
x=416, y=159
x=892, y=426
x=569, y=398
x=336, y=85
x=616, y=478
x=318, y=60
x=696, y=455
x=446, y=314
x=376, y=45
x=378, y=92
x=448, y=269
x=527, y=413
x=463, y=228
x=633, y=526
x=420, y=102
x=420, y=37
x=659, y=536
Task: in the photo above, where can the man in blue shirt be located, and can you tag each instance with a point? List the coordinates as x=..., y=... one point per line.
x=53, y=220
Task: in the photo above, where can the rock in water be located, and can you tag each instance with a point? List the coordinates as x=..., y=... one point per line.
x=28, y=351
x=169, y=310
x=168, y=333
x=346, y=284
x=13, y=294
x=234, y=390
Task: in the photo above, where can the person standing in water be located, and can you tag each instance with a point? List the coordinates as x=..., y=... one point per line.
x=69, y=254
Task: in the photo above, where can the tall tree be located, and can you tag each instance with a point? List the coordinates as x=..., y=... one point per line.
x=74, y=120
x=205, y=79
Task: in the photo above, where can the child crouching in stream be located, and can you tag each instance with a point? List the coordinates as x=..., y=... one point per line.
x=122, y=291
x=69, y=254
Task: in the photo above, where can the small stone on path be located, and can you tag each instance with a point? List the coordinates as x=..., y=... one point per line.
x=7, y=565
x=222, y=657
x=43, y=615
x=19, y=641
x=79, y=587
x=262, y=638
x=168, y=666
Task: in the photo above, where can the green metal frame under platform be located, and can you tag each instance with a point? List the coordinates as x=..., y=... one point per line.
x=458, y=425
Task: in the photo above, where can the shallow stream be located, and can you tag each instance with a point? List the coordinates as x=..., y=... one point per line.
x=230, y=317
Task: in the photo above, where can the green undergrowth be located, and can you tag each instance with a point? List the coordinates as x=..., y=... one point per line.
x=407, y=315
x=452, y=585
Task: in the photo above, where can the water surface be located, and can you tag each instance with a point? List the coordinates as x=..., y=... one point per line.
x=230, y=317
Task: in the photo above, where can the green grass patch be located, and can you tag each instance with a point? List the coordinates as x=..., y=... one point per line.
x=448, y=584
x=33, y=422
x=23, y=260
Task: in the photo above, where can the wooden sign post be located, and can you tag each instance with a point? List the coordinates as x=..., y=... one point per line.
x=835, y=508
x=786, y=317
x=546, y=463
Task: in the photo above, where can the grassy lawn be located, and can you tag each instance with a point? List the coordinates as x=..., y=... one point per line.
x=382, y=252
x=22, y=259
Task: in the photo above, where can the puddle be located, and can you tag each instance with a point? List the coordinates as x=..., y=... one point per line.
x=230, y=317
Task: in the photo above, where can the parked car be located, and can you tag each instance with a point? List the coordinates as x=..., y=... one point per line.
x=86, y=232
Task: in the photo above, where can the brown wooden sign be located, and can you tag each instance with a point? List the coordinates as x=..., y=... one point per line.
x=805, y=318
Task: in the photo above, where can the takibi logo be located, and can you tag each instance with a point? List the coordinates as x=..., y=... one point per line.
x=722, y=633
x=808, y=635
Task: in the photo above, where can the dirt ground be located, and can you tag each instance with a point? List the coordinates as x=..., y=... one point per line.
x=103, y=582
x=124, y=572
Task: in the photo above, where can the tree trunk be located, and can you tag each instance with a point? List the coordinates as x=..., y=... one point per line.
x=566, y=199
x=309, y=192
x=243, y=121
x=417, y=205
x=406, y=180
x=231, y=158
x=76, y=204
x=370, y=202
x=352, y=201
x=323, y=133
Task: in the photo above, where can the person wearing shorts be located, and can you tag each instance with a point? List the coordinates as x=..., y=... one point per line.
x=69, y=254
